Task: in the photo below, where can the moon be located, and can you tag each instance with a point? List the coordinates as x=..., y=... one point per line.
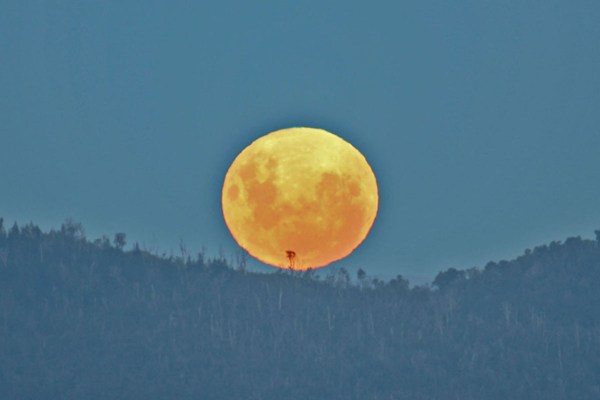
x=299, y=198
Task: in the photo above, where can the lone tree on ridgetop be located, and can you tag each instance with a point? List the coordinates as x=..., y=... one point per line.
x=291, y=255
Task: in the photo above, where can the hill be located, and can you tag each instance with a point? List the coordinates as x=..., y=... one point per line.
x=86, y=319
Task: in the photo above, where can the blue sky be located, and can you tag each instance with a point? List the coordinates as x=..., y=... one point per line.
x=480, y=118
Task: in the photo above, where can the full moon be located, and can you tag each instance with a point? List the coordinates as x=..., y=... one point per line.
x=299, y=198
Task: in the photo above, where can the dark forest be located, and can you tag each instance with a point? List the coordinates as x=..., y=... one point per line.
x=97, y=319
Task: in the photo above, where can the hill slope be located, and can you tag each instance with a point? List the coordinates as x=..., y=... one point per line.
x=81, y=319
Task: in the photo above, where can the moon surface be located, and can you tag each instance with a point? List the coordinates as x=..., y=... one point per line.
x=299, y=198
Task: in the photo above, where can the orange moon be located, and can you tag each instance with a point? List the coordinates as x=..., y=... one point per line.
x=299, y=198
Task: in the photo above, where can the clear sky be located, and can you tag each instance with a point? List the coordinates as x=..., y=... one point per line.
x=481, y=119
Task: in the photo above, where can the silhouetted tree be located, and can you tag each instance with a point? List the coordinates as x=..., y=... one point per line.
x=72, y=229
x=120, y=240
x=14, y=232
x=2, y=233
x=445, y=278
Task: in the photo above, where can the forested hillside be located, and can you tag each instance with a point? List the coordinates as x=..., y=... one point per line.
x=83, y=319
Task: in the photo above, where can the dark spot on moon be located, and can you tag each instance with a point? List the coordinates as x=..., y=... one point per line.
x=261, y=197
x=348, y=216
x=354, y=189
x=248, y=171
x=233, y=192
x=271, y=163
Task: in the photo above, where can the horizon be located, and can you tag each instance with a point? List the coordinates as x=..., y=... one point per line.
x=255, y=266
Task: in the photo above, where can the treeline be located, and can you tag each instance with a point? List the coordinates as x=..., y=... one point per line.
x=87, y=319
